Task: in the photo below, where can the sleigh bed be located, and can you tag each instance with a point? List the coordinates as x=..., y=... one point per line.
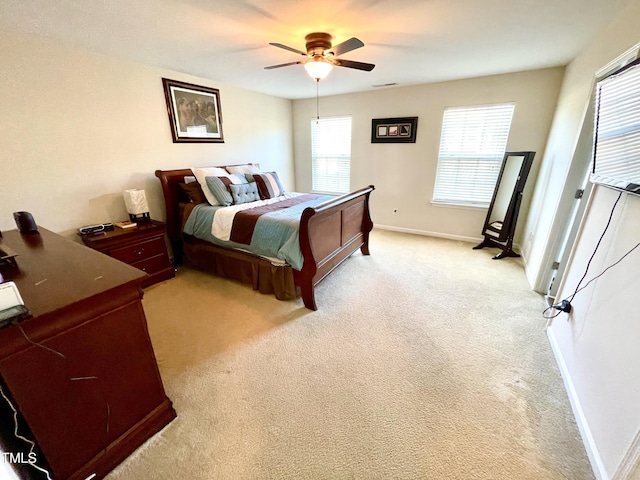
x=329, y=232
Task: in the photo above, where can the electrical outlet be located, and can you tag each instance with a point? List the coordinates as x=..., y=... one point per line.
x=564, y=306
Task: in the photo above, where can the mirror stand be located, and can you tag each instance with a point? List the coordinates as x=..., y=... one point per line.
x=500, y=224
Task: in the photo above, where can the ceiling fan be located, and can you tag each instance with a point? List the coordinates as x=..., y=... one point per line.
x=321, y=56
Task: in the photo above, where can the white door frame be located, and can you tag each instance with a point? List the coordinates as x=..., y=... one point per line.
x=570, y=209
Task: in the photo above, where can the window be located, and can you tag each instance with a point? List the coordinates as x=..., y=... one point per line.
x=472, y=147
x=616, y=151
x=331, y=154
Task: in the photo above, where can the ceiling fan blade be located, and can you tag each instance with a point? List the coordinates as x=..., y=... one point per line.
x=281, y=65
x=367, y=67
x=346, y=46
x=291, y=49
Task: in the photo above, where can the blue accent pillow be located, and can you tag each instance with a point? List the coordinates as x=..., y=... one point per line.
x=244, y=193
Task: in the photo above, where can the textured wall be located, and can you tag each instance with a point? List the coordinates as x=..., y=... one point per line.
x=78, y=128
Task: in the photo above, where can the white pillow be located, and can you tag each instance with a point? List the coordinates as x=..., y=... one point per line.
x=201, y=173
x=243, y=169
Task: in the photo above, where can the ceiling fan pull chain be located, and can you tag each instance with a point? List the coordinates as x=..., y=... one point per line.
x=317, y=101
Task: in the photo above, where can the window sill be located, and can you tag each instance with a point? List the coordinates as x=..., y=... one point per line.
x=465, y=206
x=321, y=192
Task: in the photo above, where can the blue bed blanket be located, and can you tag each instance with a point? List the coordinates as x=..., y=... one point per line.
x=276, y=233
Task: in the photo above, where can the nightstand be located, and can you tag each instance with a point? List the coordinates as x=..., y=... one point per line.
x=143, y=247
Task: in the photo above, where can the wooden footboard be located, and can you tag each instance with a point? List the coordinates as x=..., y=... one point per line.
x=329, y=233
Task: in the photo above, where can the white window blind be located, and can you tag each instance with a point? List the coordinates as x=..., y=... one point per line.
x=617, y=147
x=331, y=154
x=472, y=147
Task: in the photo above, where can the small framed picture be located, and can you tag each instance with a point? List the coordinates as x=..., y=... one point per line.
x=394, y=130
x=194, y=112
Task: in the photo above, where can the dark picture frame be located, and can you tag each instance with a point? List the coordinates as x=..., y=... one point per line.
x=194, y=112
x=394, y=130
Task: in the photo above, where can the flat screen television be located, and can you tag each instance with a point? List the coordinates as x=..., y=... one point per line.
x=616, y=145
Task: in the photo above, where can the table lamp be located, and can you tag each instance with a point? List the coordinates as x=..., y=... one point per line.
x=137, y=207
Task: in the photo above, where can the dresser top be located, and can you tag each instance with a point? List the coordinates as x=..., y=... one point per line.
x=55, y=272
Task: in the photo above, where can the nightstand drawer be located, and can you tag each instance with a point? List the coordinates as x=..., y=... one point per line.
x=153, y=264
x=143, y=247
x=139, y=251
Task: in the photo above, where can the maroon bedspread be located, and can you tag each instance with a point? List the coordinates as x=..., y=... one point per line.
x=244, y=222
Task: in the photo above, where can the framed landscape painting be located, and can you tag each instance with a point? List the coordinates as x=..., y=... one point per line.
x=194, y=112
x=394, y=130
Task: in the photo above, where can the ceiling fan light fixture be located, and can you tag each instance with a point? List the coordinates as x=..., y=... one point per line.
x=320, y=55
x=318, y=69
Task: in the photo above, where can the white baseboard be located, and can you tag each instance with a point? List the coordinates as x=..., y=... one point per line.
x=527, y=269
x=631, y=462
x=461, y=238
x=583, y=426
x=448, y=236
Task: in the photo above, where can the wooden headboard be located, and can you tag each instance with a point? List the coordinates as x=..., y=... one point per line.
x=170, y=181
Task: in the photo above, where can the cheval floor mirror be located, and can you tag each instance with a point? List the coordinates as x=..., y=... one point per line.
x=500, y=224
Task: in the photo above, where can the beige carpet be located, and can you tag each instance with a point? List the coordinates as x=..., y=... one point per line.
x=425, y=360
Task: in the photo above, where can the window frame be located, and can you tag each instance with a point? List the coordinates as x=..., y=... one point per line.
x=475, y=123
x=616, y=131
x=337, y=160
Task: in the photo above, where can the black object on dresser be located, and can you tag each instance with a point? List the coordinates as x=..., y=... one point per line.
x=142, y=246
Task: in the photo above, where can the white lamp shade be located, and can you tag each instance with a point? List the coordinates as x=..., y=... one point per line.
x=318, y=69
x=136, y=202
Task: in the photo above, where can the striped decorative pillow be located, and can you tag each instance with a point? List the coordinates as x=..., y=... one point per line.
x=201, y=173
x=219, y=187
x=269, y=185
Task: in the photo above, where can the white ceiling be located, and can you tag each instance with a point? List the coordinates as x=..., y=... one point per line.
x=410, y=41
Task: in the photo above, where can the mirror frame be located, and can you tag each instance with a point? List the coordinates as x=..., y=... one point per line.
x=503, y=237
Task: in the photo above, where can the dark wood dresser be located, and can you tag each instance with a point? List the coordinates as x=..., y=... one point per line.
x=90, y=408
x=143, y=247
